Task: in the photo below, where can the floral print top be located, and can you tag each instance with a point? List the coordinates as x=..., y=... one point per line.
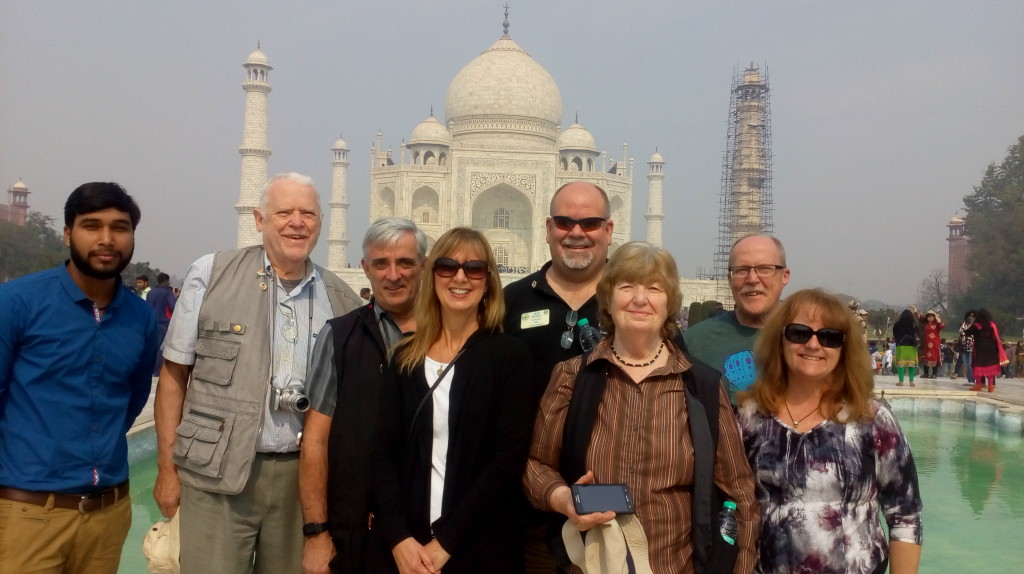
x=821, y=491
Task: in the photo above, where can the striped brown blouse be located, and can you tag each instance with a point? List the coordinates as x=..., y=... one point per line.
x=641, y=438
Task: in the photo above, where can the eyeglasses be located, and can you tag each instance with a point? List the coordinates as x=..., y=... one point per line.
x=570, y=322
x=763, y=271
x=448, y=267
x=800, y=334
x=566, y=223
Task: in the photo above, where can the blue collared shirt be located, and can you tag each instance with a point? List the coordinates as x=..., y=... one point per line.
x=294, y=334
x=70, y=386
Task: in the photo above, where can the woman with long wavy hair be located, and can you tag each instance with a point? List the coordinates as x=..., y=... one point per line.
x=828, y=459
x=455, y=424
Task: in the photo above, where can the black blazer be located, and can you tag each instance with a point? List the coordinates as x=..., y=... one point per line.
x=490, y=425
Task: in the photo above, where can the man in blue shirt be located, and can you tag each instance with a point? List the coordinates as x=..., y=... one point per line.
x=162, y=300
x=76, y=358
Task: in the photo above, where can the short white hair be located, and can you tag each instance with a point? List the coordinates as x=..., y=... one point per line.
x=287, y=176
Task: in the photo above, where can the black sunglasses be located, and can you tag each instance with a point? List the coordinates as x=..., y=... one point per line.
x=800, y=334
x=566, y=223
x=448, y=267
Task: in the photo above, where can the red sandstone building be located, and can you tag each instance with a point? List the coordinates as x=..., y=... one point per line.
x=16, y=209
x=959, y=251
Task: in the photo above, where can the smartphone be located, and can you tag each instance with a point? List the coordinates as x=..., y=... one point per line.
x=588, y=498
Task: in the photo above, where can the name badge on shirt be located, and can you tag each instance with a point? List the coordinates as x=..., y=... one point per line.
x=535, y=319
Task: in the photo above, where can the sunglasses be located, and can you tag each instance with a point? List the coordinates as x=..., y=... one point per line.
x=800, y=334
x=448, y=267
x=566, y=223
x=568, y=335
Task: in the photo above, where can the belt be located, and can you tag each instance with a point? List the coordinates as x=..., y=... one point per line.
x=81, y=502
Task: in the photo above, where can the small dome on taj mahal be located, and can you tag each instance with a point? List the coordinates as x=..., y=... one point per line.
x=576, y=137
x=431, y=131
x=258, y=57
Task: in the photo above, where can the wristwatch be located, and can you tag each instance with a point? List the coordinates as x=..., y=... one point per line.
x=314, y=528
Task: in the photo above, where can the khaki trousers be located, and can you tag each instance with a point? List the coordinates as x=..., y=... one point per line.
x=46, y=540
x=257, y=530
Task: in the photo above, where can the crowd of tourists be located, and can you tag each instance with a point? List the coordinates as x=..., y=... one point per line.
x=978, y=354
x=441, y=422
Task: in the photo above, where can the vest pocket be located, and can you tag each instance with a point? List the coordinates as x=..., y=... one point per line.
x=215, y=359
x=202, y=440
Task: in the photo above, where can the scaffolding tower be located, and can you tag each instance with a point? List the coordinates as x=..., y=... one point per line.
x=745, y=201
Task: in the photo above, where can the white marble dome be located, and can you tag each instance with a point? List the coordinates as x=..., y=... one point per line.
x=20, y=185
x=656, y=158
x=504, y=80
x=431, y=131
x=257, y=57
x=576, y=137
x=340, y=144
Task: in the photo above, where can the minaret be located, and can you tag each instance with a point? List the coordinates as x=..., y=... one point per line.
x=748, y=162
x=958, y=277
x=337, y=238
x=17, y=211
x=255, y=148
x=655, y=215
x=746, y=195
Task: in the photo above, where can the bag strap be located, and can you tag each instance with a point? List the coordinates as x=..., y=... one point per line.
x=703, y=472
x=587, y=393
x=423, y=401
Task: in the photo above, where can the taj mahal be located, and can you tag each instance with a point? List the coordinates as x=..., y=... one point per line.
x=493, y=164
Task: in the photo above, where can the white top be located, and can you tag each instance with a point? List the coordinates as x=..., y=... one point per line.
x=439, y=445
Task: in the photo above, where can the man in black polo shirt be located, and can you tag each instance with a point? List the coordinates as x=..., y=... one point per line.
x=543, y=308
x=348, y=365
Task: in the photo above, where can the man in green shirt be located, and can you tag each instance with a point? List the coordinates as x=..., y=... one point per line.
x=757, y=275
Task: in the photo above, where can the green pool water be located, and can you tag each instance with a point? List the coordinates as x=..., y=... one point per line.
x=972, y=482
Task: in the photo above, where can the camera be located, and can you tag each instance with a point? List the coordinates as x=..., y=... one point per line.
x=291, y=398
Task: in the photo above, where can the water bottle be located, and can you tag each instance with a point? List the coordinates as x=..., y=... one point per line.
x=589, y=335
x=727, y=522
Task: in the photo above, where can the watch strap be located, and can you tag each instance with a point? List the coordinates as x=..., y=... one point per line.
x=314, y=528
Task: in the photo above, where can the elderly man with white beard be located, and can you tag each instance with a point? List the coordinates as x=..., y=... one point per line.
x=543, y=309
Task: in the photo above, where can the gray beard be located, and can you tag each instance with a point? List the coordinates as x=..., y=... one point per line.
x=578, y=261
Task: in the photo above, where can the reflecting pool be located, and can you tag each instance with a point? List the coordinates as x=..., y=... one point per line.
x=972, y=482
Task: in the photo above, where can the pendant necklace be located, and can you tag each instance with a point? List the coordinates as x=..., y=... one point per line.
x=646, y=364
x=440, y=368
x=796, y=421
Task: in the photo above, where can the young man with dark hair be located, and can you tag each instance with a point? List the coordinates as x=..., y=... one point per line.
x=76, y=353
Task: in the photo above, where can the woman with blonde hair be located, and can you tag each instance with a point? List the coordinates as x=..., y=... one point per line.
x=827, y=457
x=455, y=424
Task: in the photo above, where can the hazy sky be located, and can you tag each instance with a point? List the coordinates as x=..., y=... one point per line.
x=884, y=114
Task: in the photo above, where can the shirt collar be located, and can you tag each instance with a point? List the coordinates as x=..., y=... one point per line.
x=269, y=269
x=75, y=293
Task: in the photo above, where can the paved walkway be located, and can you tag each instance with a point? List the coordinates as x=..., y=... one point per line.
x=1009, y=391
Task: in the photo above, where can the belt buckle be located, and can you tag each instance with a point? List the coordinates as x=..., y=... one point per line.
x=86, y=497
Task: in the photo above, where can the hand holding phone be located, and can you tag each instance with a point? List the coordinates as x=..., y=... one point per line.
x=590, y=498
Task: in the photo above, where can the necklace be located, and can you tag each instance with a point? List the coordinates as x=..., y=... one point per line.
x=796, y=421
x=440, y=368
x=647, y=364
